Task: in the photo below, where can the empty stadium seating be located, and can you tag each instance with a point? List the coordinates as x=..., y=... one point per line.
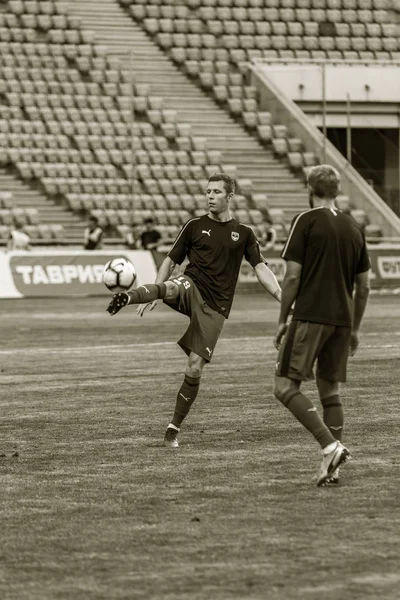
x=27, y=218
x=214, y=41
x=71, y=123
x=74, y=125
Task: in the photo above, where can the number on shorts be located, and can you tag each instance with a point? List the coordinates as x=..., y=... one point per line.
x=180, y=280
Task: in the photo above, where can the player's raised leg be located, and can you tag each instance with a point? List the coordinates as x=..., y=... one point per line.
x=185, y=398
x=144, y=294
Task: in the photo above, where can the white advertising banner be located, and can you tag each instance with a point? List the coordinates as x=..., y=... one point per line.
x=65, y=272
x=385, y=266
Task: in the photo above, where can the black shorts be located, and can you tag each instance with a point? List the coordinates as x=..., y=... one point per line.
x=305, y=343
x=205, y=323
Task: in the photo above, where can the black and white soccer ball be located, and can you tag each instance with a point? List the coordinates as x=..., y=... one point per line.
x=119, y=275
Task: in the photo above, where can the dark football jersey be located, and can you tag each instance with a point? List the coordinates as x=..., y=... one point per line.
x=215, y=251
x=332, y=251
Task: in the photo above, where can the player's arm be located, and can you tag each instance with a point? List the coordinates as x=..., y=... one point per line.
x=166, y=269
x=361, y=293
x=268, y=280
x=290, y=288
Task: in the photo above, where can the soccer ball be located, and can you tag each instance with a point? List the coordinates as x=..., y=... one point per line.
x=119, y=275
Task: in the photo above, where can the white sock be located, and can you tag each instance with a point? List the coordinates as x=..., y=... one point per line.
x=330, y=448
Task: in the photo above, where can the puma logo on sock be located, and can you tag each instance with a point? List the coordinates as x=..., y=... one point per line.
x=184, y=397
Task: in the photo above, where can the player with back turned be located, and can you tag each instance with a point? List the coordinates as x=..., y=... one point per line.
x=215, y=244
x=327, y=261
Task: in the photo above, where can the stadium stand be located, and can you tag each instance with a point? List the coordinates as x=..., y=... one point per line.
x=92, y=136
x=69, y=124
x=214, y=43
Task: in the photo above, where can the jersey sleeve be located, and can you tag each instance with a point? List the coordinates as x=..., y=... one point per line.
x=252, y=251
x=181, y=245
x=296, y=243
x=364, y=262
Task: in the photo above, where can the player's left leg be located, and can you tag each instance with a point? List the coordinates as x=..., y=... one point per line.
x=198, y=342
x=186, y=396
x=288, y=392
x=295, y=363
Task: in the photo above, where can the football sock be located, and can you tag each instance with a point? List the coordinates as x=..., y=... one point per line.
x=185, y=398
x=330, y=448
x=306, y=413
x=333, y=415
x=147, y=293
x=172, y=426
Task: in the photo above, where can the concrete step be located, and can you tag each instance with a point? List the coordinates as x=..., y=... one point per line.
x=48, y=211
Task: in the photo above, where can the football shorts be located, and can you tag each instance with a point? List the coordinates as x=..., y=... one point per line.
x=205, y=324
x=308, y=343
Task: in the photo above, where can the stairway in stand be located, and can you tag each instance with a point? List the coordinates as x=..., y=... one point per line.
x=48, y=212
x=125, y=39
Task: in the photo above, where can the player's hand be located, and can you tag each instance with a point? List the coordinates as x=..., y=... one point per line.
x=354, y=341
x=119, y=301
x=142, y=307
x=282, y=329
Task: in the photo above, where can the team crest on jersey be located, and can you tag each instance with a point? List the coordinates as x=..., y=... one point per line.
x=235, y=236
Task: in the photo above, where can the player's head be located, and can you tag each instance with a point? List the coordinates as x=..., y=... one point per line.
x=323, y=183
x=220, y=189
x=93, y=220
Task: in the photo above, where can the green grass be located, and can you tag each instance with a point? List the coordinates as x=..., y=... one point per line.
x=94, y=507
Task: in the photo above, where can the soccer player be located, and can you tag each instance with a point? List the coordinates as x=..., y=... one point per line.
x=215, y=244
x=327, y=261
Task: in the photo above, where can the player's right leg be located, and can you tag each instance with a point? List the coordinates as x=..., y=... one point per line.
x=145, y=294
x=329, y=395
x=332, y=368
x=295, y=362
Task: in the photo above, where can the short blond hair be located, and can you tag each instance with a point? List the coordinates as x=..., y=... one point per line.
x=324, y=181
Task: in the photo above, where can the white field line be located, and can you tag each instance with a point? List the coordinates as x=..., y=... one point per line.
x=122, y=347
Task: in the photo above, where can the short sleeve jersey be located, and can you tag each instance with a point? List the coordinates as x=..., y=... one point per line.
x=93, y=238
x=215, y=251
x=150, y=237
x=332, y=251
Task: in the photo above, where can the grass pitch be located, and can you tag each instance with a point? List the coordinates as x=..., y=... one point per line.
x=94, y=507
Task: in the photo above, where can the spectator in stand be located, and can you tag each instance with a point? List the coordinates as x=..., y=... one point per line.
x=132, y=238
x=93, y=234
x=269, y=237
x=18, y=239
x=150, y=237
